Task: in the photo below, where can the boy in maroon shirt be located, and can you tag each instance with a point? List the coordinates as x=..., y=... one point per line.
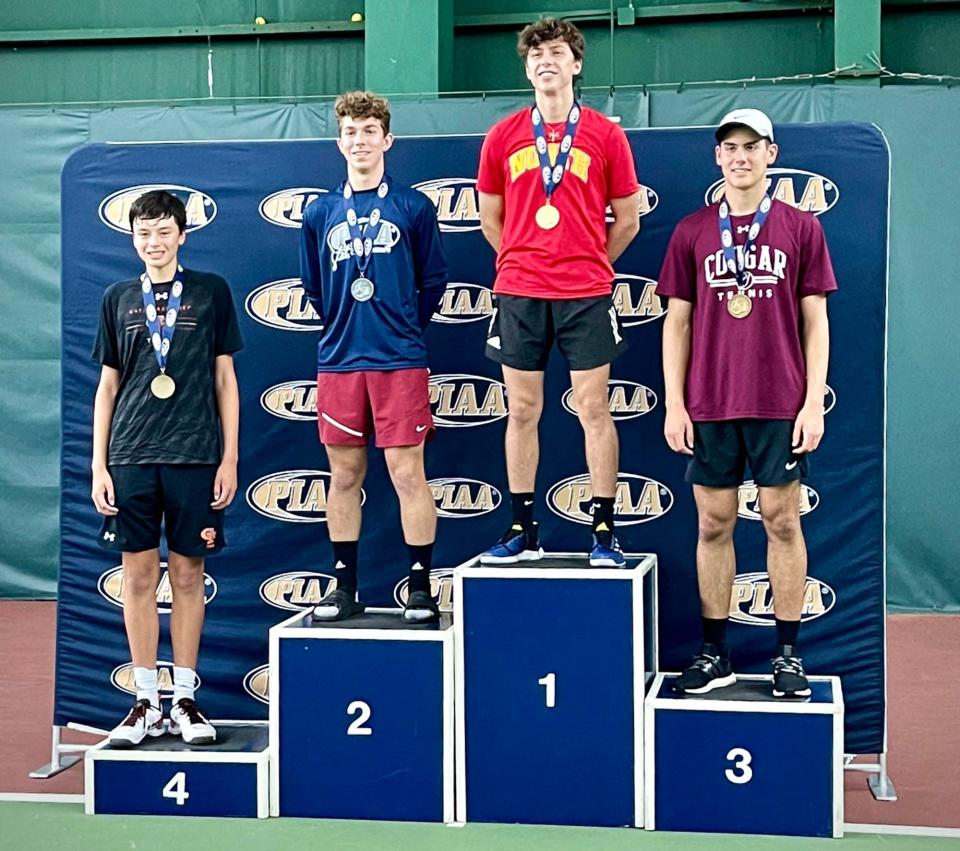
x=547, y=175
x=745, y=350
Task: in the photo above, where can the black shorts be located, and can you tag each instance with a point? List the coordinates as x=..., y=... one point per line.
x=178, y=494
x=722, y=449
x=522, y=331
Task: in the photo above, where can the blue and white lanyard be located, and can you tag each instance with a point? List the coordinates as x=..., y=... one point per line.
x=726, y=240
x=363, y=238
x=161, y=338
x=553, y=175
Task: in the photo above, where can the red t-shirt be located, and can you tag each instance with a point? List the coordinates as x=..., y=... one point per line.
x=569, y=261
x=751, y=367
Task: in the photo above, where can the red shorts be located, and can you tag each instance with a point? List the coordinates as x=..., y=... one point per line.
x=353, y=405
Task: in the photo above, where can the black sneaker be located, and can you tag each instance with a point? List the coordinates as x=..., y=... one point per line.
x=339, y=606
x=420, y=608
x=708, y=670
x=789, y=678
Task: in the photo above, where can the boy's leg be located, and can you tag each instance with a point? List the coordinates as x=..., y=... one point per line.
x=186, y=617
x=141, y=575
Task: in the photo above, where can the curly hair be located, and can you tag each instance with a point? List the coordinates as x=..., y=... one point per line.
x=550, y=29
x=362, y=105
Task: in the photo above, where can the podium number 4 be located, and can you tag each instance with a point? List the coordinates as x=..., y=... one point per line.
x=549, y=682
x=741, y=771
x=176, y=788
x=362, y=711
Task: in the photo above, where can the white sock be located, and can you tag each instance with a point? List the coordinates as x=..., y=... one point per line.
x=145, y=679
x=183, y=682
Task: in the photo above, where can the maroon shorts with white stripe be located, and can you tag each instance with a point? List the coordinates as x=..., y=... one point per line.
x=395, y=405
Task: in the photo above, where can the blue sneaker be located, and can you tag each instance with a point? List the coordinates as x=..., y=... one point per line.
x=606, y=550
x=517, y=544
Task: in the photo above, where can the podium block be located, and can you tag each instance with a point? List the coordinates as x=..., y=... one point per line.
x=167, y=777
x=361, y=718
x=550, y=684
x=738, y=760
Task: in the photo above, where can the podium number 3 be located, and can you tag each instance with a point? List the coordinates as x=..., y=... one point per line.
x=176, y=788
x=549, y=682
x=362, y=711
x=741, y=763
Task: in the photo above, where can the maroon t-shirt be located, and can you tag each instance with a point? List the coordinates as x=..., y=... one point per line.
x=751, y=367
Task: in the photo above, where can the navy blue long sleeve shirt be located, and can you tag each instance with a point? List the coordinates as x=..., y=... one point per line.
x=407, y=268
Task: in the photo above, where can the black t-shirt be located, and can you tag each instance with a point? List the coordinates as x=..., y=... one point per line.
x=183, y=429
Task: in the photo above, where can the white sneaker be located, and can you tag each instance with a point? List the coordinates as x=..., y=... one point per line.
x=188, y=721
x=141, y=721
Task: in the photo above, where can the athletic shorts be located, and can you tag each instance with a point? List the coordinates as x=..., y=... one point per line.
x=721, y=450
x=393, y=405
x=178, y=495
x=522, y=331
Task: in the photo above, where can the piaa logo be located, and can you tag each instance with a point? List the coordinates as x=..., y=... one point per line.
x=286, y=207
x=649, y=200
x=627, y=399
x=294, y=496
x=441, y=589
x=462, y=401
x=459, y=498
x=749, y=500
x=123, y=679
x=462, y=303
x=283, y=304
x=752, y=600
x=297, y=590
x=256, y=683
x=455, y=199
x=639, y=499
x=291, y=400
x=115, y=208
x=808, y=191
x=829, y=399
x=636, y=301
x=110, y=586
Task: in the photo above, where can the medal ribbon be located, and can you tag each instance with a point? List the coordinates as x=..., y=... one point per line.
x=744, y=280
x=161, y=338
x=552, y=175
x=363, y=238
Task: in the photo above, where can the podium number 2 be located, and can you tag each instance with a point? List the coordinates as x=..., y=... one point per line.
x=176, y=788
x=362, y=711
x=549, y=682
x=741, y=763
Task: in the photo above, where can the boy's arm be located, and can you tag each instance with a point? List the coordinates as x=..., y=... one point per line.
x=310, y=274
x=677, y=427
x=102, y=491
x=626, y=224
x=815, y=331
x=430, y=265
x=228, y=406
x=491, y=218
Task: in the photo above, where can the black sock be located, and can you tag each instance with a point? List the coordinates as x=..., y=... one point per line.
x=522, y=509
x=715, y=633
x=787, y=632
x=421, y=559
x=345, y=554
x=603, y=513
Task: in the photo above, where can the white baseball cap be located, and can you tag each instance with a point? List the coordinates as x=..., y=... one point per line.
x=752, y=118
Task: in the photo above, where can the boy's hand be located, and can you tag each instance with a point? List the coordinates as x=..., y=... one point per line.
x=225, y=485
x=102, y=493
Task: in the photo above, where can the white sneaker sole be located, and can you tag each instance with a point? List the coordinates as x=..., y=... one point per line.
x=722, y=682
x=153, y=732
x=526, y=555
x=606, y=562
x=196, y=740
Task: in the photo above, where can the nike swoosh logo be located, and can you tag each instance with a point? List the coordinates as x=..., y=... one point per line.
x=421, y=428
x=790, y=465
x=528, y=502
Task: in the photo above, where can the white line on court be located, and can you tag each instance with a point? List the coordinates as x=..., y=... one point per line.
x=903, y=830
x=41, y=797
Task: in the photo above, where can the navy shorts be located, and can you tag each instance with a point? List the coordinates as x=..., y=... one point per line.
x=522, y=332
x=178, y=495
x=722, y=450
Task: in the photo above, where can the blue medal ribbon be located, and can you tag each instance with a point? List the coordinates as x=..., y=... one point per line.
x=738, y=267
x=552, y=175
x=161, y=338
x=363, y=238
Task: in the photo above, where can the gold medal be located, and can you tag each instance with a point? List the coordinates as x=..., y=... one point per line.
x=548, y=217
x=163, y=386
x=739, y=306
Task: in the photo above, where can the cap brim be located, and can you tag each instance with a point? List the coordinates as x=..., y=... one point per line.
x=721, y=131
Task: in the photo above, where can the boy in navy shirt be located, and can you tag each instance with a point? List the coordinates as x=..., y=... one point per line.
x=373, y=269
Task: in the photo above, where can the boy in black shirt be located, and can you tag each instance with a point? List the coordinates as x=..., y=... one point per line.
x=165, y=426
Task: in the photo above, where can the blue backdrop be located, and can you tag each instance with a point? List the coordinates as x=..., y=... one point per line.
x=245, y=201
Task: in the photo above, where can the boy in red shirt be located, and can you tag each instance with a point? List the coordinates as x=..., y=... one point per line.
x=547, y=176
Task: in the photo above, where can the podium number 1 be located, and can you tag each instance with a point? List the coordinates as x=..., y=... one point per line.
x=362, y=711
x=549, y=682
x=176, y=788
x=741, y=763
